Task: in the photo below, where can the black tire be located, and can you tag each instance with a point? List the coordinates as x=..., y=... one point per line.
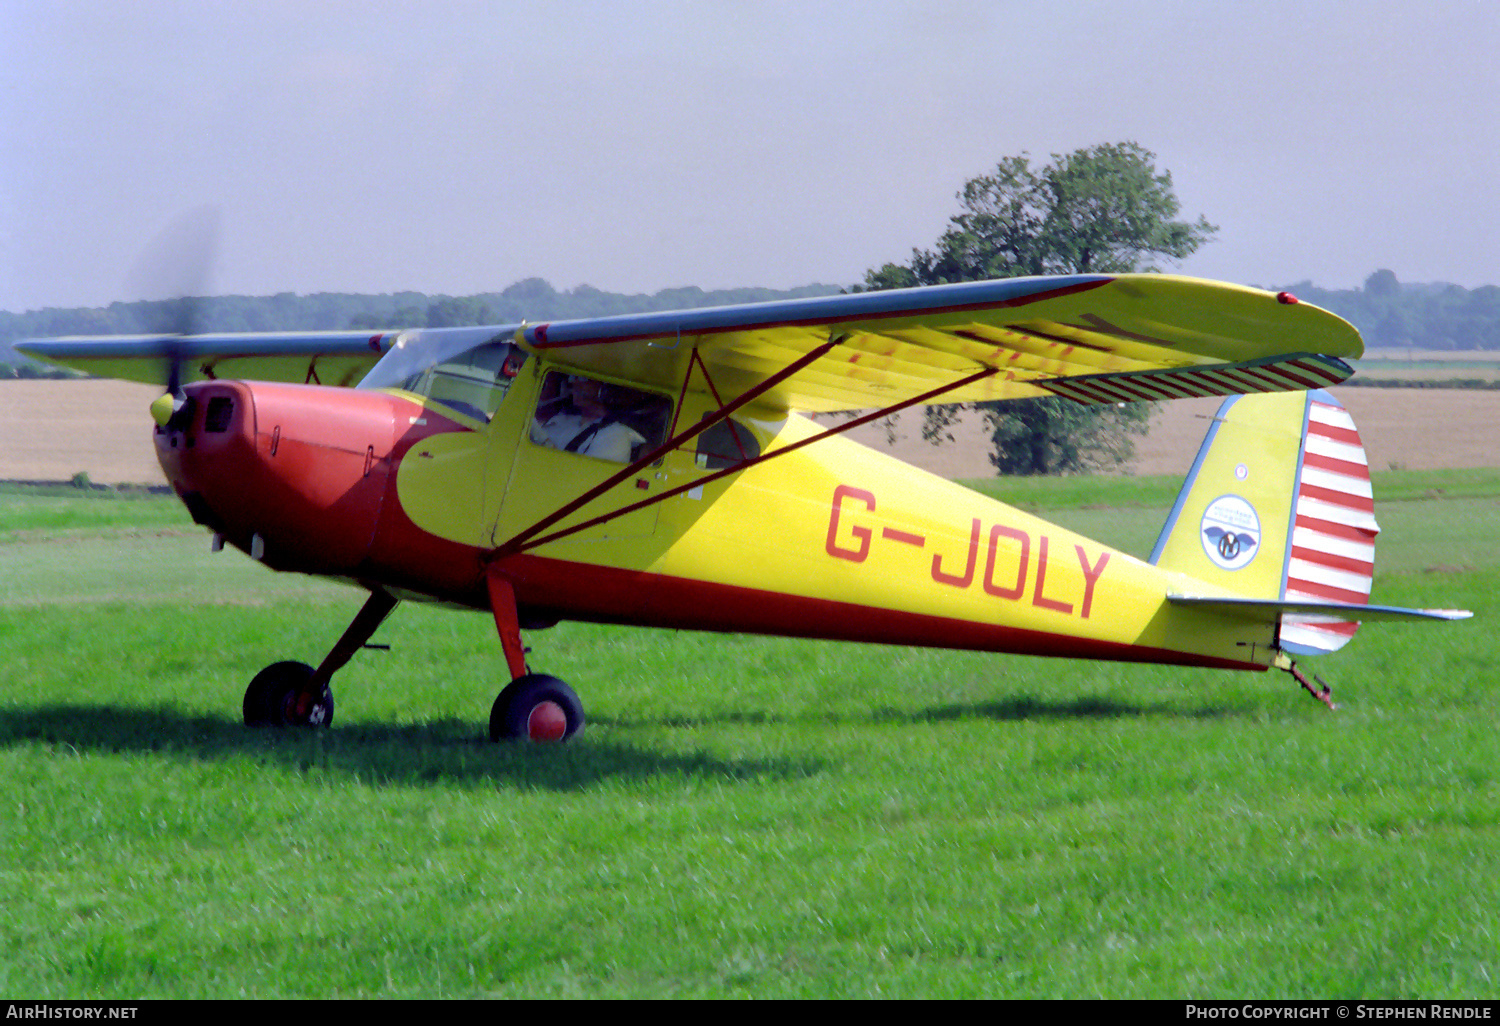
x=512, y=715
x=277, y=698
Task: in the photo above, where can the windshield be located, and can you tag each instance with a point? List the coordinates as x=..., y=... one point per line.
x=448, y=366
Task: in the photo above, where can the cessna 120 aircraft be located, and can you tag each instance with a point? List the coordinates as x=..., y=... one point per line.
x=656, y=469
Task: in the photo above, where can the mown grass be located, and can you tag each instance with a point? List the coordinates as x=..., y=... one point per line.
x=743, y=816
x=59, y=508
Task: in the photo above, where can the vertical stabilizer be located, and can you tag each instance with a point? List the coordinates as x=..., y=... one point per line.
x=1278, y=506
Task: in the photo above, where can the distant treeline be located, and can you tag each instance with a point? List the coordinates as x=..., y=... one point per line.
x=1393, y=315
x=532, y=299
x=1388, y=313
x=1475, y=384
x=24, y=368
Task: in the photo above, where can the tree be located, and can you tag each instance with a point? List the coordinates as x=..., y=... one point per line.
x=1104, y=209
x=1383, y=283
x=449, y=312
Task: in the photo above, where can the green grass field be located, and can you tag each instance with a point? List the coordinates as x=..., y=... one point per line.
x=743, y=816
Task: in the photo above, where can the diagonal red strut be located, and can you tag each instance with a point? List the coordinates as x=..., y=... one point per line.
x=519, y=545
x=517, y=542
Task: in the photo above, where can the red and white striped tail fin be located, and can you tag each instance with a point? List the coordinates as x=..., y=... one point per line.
x=1284, y=478
x=1331, y=556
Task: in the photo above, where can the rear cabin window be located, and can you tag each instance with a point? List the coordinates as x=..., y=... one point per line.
x=727, y=444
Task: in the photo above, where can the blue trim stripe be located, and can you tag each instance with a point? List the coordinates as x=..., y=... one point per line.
x=117, y=347
x=1291, y=521
x=817, y=310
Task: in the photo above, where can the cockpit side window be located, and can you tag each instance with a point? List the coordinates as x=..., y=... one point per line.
x=576, y=413
x=473, y=382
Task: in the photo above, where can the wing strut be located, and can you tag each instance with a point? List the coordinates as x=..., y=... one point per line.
x=527, y=540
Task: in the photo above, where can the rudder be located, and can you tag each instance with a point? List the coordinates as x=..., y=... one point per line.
x=1278, y=506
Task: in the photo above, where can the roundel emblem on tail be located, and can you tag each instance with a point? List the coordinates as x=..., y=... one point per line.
x=1230, y=532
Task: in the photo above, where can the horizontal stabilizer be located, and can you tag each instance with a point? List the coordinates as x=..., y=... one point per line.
x=1270, y=610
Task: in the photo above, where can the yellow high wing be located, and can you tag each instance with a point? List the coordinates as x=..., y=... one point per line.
x=1090, y=338
x=1093, y=339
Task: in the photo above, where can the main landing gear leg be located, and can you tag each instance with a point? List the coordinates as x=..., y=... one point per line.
x=294, y=694
x=532, y=705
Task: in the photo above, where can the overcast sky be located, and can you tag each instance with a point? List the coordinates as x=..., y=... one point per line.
x=374, y=145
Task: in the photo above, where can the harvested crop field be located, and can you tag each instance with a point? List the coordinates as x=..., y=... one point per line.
x=51, y=430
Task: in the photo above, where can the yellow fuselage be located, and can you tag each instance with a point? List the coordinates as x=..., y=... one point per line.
x=834, y=541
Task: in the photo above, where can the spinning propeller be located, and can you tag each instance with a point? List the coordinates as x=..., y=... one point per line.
x=171, y=409
x=177, y=264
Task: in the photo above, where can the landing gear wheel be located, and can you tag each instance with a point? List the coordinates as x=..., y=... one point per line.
x=537, y=707
x=278, y=697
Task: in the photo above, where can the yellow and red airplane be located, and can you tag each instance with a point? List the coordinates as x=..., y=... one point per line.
x=652, y=469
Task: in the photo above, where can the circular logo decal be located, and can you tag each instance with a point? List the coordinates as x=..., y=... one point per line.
x=1230, y=532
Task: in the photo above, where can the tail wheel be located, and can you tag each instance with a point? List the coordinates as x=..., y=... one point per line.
x=536, y=707
x=279, y=697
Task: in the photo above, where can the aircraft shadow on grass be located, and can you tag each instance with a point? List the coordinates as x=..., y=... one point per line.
x=1087, y=707
x=1015, y=708
x=448, y=751
x=452, y=751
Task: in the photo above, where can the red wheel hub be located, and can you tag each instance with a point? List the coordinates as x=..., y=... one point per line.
x=546, y=722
